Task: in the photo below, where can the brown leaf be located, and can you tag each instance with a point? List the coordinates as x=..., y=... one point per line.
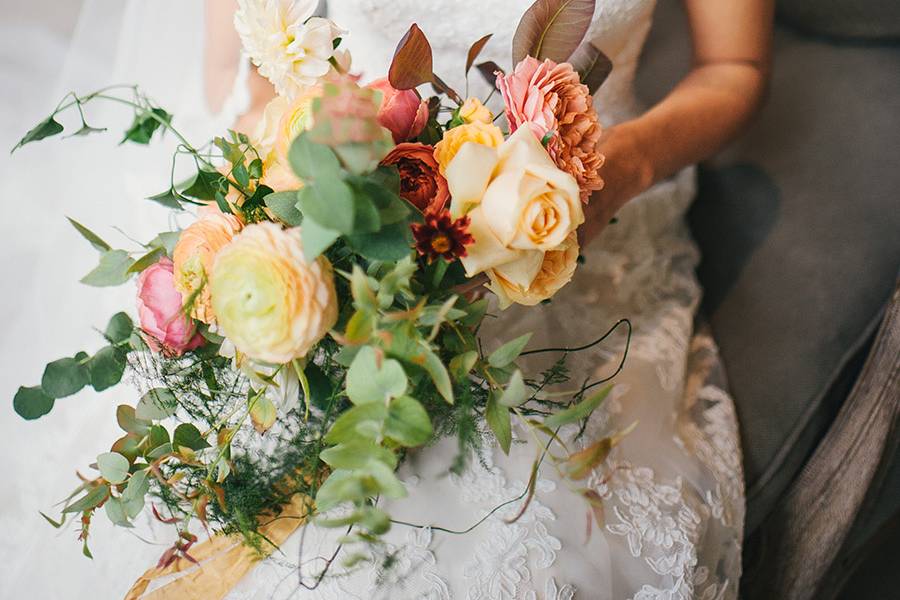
x=413, y=62
x=592, y=64
x=489, y=71
x=596, y=503
x=552, y=29
x=581, y=463
x=532, y=484
x=475, y=50
x=443, y=88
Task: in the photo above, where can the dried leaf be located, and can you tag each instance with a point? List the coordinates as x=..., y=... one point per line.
x=413, y=63
x=583, y=462
x=475, y=50
x=552, y=29
x=489, y=71
x=592, y=64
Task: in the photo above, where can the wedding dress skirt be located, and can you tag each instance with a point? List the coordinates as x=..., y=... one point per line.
x=672, y=490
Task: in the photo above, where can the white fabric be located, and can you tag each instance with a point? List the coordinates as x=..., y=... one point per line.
x=673, y=490
x=674, y=500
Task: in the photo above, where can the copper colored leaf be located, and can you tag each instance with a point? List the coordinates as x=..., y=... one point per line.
x=596, y=504
x=552, y=29
x=475, y=50
x=583, y=462
x=413, y=64
x=489, y=71
x=592, y=65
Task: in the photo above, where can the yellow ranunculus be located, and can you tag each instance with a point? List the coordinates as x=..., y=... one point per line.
x=556, y=271
x=269, y=300
x=484, y=134
x=193, y=257
x=473, y=111
x=282, y=121
x=520, y=205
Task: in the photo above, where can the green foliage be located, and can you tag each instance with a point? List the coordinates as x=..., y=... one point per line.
x=64, y=377
x=284, y=206
x=145, y=124
x=579, y=411
x=46, y=128
x=498, y=419
x=95, y=240
x=156, y=404
x=508, y=352
x=188, y=436
x=119, y=328
x=32, y=402
x=113, y=467
x=106, y=367
x=114, y=269
x=372, y=378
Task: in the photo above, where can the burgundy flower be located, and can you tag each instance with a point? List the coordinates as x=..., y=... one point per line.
x=440, y=236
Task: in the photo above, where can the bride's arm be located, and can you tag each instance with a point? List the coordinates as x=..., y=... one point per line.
x=709, y=107
x=221, y=61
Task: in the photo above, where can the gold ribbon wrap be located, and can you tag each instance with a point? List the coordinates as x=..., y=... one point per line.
x=223, y=561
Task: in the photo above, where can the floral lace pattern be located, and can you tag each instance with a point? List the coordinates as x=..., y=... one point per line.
x=673, y=489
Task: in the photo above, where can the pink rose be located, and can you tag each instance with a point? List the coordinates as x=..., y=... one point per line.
x=402, y=112
x=166, y=328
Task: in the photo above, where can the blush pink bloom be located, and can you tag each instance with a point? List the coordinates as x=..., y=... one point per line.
x=402, y=112
x=549, y=98
x=166, y=328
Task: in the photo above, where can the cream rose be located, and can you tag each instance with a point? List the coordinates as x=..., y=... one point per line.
x=520, y=204
x=556, y=271
x=269, y=300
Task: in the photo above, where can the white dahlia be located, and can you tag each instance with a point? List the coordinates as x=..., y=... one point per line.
x=291, y=48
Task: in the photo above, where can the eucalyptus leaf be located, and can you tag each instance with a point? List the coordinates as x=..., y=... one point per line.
x=368, y=381
x=357, y=454
x=284, y=206
x=129, y=422
x=187, y=435
x=365, y=421
x=113, y=270
x=579, y=411
x=32, y=402
x=106, y=368
x=95, y=240
x=119, y=328
x=167, y=241
x=113, y=467
x=329, y=202
x=312, y=161
x=90, y=500
x=138, y=486
x=147, y=260
x=156, y=404
x=508, y=352
x=64, y=377
x=316, y=238
x=515, y=392
x=407, y=422
x=391, y=243
x=498, y=419
x=263, y=414
x=344, y=486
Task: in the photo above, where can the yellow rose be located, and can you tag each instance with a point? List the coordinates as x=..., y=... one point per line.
x=520, y=207
x=270, y=302
x=194, y=254
x=485, y=134
x=556, y=271
x=473, y=111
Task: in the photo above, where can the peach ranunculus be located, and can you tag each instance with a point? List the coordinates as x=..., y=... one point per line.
x=193, y=258
x=556, y=271
x=402, y=112
x=165, y=326
x=520, y=204
x=485, y=134
x=473, y=111
x=270, y=302
x=421, y=183
x=549, y=98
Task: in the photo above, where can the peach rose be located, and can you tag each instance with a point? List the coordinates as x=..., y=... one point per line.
x=421, y=183
x=402, y=112
x=270, y=302
x=556, y=271
x=520, y=206
x=485, y=134
x=549, y=98
x=165, y=327
x=193, y=257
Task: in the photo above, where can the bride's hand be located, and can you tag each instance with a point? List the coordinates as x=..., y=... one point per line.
x=625, y=172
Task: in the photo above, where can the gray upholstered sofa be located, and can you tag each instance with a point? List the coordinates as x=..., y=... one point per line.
x=799, y=224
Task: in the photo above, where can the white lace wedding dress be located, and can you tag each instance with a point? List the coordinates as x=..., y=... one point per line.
x=673, y=490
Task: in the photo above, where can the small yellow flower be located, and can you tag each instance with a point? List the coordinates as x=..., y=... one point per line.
x=473, y=111
x=486, y=134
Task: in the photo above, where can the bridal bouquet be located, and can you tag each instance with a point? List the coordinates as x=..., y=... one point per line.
x=312, y=323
